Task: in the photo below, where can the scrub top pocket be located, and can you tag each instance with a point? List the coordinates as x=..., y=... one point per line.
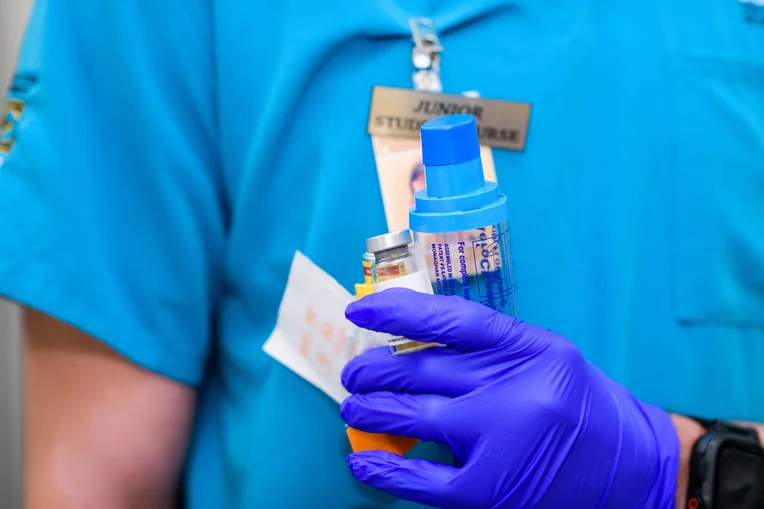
x=718, y=246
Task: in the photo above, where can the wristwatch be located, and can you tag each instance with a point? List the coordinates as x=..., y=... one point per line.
x=726, y=468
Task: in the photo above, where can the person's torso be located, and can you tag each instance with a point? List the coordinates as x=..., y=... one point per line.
x=637, y=205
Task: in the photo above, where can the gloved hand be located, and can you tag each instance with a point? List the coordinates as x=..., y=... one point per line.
x=530, y=421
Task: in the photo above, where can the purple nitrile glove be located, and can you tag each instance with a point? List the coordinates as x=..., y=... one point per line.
x=530, y=421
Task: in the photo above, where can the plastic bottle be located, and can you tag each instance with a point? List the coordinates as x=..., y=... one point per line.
x=460, y=220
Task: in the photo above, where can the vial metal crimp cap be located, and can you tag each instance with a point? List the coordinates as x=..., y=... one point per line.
x=388, y=241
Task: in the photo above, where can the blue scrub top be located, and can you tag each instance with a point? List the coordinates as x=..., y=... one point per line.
x=162, y=162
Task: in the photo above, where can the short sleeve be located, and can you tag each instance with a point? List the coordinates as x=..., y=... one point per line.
x=111, y=200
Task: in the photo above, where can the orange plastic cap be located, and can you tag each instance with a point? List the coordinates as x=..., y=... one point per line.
x=363, y=441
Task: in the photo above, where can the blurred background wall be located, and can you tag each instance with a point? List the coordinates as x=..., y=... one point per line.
x=13, y=17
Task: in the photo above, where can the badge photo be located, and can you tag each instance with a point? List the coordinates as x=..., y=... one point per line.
x=401, y=175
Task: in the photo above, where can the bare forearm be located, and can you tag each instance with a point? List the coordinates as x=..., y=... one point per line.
x=101, y=433
x=688, y=432
x=72, y=469
x=82, y=454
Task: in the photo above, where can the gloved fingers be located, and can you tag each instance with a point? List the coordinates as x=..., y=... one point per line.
x=463, y=325
x=443, y=371
x=419, y=481
x=456, y=322
x=408, y=415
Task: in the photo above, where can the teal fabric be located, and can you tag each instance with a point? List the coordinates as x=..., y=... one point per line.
x=172, y=156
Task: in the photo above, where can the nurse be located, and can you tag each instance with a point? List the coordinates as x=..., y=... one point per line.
x=162, y=161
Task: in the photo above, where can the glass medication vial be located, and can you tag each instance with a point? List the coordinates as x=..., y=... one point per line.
x=460, y=220
x=396, y=267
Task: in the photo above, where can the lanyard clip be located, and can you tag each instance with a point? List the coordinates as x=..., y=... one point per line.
x=426, y=55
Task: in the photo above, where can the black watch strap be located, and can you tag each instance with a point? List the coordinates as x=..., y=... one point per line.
x=726, y=468
x=706, y=423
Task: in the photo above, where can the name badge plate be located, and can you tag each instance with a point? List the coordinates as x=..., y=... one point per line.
x=400, y=113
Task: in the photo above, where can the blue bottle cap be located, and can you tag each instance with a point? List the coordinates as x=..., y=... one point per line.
x=457, y=196
x=449, y=140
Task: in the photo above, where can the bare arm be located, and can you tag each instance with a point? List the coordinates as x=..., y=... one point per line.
x=101, y=433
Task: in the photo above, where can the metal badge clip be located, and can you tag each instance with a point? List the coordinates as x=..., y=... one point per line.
x=426, y=55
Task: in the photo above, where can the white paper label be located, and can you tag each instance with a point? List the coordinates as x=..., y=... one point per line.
x=418, y=281
x=312, y=337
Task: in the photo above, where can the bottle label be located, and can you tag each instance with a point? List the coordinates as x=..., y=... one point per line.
x=417, y=281
x=474, y=265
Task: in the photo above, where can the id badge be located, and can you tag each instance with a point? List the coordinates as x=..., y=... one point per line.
x=397, y=114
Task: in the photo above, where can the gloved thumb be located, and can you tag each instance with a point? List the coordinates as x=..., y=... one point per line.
x=416, y=480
